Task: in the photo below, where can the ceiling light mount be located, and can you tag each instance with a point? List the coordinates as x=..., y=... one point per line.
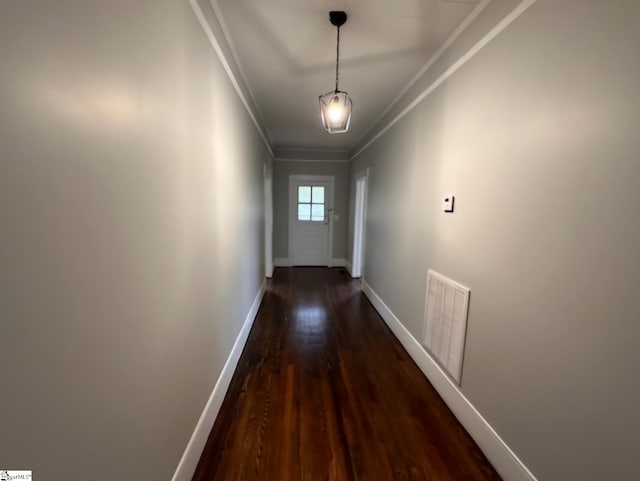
x=335, y=105
x=338, y=18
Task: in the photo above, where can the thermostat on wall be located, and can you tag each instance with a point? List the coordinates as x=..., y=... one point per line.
x=447, y=203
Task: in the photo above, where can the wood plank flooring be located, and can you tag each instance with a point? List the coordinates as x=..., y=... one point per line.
x=324, y=391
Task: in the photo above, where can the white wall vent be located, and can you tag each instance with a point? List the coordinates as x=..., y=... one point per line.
x=445, y=322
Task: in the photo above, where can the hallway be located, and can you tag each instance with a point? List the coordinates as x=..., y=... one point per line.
x=323, y=390
x=160, y=158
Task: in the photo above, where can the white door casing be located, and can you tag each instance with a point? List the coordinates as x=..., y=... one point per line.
x=311, y=238
x=268, y=221
x=359, y=224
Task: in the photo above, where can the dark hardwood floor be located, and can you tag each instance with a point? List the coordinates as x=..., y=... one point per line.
x=324, y=391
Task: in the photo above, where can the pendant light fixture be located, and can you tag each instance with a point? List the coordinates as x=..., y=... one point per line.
x=335, y=105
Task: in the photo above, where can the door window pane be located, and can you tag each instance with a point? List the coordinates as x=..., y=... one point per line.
x=304, y=194
x=311, y=203
x=317, y=212
x=318, y=195
x=304, y=211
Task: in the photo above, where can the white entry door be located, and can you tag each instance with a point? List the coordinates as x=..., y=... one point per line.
x=310, y=229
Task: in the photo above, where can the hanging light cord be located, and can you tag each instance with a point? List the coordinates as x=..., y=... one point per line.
x=337, y=59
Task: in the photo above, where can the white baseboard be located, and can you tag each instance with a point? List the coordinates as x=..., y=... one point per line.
x=189, y=461
x=284, y=262
x=348, y=267
x=338, y=262
x=281, y=262
x=498, y=453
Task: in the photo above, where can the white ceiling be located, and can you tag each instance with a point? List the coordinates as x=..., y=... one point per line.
x=285, y=50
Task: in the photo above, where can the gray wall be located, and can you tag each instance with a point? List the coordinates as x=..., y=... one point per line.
x=131, y=207
x=537, y=137
x=281, y=172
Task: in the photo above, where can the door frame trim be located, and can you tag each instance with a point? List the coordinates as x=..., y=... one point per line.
x=293, y=178
x=357, y=267
x=268, y=220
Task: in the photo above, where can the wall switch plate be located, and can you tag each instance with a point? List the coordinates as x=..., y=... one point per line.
x=447, y=203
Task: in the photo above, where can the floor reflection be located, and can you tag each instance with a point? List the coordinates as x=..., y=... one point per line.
x=310, y=325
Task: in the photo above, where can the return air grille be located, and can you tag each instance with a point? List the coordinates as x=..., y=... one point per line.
x=445, y=322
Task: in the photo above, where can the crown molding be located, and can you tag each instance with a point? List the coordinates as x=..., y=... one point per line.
x=335, y=161
x=438, y=53
x=477, y=47
x=311, y=155
x=217, y=11
x=215, y=32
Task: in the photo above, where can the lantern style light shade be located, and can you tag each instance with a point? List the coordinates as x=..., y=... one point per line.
x=335, y=110
x=335, y=106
